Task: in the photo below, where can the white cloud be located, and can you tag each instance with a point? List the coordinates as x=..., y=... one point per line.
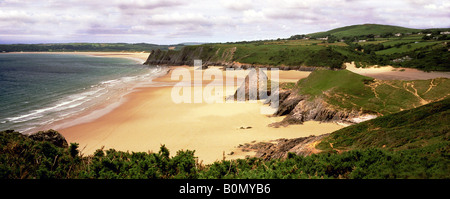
x=253, y=16
x=172, y=21
x=237, y=5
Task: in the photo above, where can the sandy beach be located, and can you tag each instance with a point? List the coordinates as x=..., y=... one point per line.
x=391, y=73
x=148, y=118
x=140, y=57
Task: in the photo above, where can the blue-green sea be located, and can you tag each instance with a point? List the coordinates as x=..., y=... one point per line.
x=40, y=89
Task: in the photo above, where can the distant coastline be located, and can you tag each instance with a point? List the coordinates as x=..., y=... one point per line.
x=137, y=56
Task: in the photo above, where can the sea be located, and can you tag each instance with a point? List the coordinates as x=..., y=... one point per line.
x=42, y=89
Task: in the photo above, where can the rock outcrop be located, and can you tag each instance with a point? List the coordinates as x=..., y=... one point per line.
x=299, y=108
x=280, y=148
x=250, y=88
x=51, y=136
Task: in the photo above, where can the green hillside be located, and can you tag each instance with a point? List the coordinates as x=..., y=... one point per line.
x=427, y=126
x=366, y=45
x=365, y=29
x=347, y=90
x=289, y=54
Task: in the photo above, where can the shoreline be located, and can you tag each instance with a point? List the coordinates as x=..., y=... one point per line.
x=148, y=118
x=139, y=57
x=99, y=109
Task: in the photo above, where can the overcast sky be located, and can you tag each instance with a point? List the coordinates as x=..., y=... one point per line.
x=173, y=21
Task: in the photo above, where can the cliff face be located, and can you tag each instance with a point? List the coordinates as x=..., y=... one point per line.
x=210, y=55
x=170, y=58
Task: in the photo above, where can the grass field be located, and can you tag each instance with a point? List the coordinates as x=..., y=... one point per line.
x=365, y=29
x=347, y=90
x=406, y=47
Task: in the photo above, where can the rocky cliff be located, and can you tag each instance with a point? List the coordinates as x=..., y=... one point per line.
x=210, y=55
x=299, y=108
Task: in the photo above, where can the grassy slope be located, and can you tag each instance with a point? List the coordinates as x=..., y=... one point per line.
x=406, y=47
x=281, y=53
x=293, y=54
x=365, y=29
x=427, y=126
x=348, y=90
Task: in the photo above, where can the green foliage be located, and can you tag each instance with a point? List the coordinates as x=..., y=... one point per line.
x=295, y=52
x=287, y=54
x=22, y=157
x=364, y=30
x=421, y=127
x=356, y=164
x=350, y=91
x=138, y=165
x=326, y=58
x=44, y=160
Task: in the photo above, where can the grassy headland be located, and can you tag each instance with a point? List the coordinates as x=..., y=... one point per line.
x=347, y=90
x=427, y=126
x=368, y=44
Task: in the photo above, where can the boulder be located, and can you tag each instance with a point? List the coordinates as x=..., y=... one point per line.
x=51, y=136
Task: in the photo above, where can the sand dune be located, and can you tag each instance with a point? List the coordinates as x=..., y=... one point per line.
x=391, y=73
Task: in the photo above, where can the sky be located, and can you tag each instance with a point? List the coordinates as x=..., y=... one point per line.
x=175, y=21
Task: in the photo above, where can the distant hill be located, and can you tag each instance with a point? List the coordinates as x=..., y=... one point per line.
x=191, y=43
x=364, y=29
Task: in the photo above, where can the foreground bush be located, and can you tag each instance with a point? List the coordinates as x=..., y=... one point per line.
x=22, y=157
